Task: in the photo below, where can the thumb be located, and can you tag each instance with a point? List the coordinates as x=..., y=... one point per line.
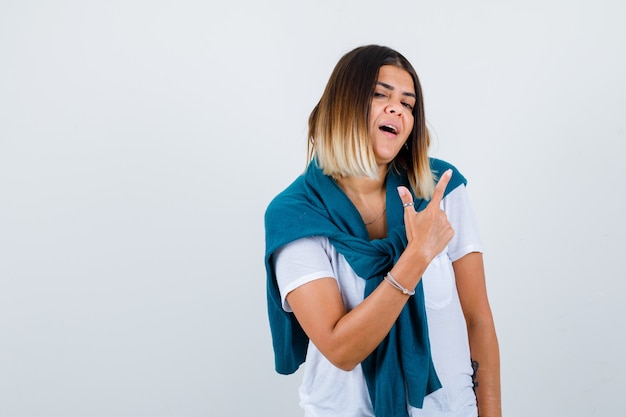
x=406, y=197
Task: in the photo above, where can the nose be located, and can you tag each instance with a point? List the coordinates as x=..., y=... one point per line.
x=393, y=108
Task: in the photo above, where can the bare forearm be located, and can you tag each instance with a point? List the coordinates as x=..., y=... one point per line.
x=470, y=281
x=485, y=353
x=346, y=338
x=359, y=332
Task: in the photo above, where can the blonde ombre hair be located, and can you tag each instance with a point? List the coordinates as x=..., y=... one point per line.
x=339, y=124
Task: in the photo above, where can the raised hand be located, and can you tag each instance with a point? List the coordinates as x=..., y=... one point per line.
x=428, y=231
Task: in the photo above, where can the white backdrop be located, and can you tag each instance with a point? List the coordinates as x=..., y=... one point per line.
x=140, y=142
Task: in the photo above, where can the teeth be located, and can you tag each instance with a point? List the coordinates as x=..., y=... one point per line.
x=389, y=128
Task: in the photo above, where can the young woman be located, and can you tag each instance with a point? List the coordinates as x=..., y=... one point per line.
x=375, y=272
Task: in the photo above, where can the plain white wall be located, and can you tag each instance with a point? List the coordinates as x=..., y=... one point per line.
x=140, y=142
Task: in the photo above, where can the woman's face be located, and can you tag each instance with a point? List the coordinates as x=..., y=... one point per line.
x=391, y=113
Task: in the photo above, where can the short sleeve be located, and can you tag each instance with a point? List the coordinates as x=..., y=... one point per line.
x=461, y=215
x=299, y=262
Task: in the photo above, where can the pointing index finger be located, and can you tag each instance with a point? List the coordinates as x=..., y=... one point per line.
x=441, y=187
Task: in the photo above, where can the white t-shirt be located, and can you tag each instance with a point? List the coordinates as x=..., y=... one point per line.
x=328, y=391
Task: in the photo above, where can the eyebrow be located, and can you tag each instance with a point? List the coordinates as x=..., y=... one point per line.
x=391, y=87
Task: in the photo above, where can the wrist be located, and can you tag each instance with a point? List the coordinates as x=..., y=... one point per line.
x=395, y=284
x=409, y=268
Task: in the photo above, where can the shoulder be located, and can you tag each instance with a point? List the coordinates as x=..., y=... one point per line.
x=439, y=166
x=294, y=213
x=287, y=199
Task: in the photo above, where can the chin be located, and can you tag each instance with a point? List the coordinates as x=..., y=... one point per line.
x=383, y=161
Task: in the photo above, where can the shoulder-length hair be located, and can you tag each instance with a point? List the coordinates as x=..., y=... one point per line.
x=338, y=136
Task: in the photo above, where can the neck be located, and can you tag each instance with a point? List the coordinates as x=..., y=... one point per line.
x=363, y=188
x=369, y=197
x=359, y=189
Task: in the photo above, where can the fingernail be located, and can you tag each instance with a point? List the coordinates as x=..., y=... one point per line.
x=401, y=191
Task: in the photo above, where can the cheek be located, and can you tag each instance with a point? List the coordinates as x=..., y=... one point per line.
x=410, y=121
x=375, y=111
x=409, y=126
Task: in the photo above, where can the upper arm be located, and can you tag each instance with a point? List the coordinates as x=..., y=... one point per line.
x=309, y=288
x=300, y=262
x=470, y=281
x=465, y=250
x=318, y=306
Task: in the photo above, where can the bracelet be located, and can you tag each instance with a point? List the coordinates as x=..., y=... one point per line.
x=392, y=281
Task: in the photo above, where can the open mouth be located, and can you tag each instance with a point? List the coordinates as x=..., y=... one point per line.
x=389, y=128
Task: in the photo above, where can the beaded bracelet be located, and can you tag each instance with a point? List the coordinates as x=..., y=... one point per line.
x=392, y=281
